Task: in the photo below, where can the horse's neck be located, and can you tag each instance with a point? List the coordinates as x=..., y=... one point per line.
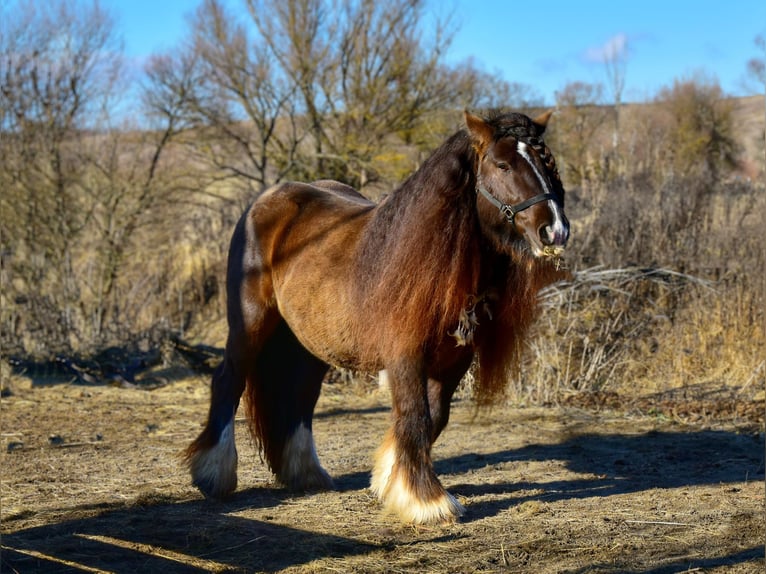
x=419, y=254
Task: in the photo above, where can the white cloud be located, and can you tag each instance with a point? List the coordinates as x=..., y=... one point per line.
x=614, y=48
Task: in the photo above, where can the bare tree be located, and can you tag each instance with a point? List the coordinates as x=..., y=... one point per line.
x=225, y=84
x=57, y=69
x=756, y=69
x=701, y=136
x=313, y=89
x=78, y=189
x=615, y=58
x=476, y=88
x=580, y=117
x=298, y=36
x=363, y=70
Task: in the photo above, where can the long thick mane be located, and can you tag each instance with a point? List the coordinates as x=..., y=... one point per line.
x=500, y=342
x=419, y=257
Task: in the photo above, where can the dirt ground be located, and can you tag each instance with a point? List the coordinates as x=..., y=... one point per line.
x=92, y=482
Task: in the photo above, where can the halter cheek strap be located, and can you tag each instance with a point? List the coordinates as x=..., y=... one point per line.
x=510, y=211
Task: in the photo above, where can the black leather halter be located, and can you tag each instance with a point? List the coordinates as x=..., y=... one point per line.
x=510, y=211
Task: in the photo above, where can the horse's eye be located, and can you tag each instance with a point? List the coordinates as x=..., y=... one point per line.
x=505, y=166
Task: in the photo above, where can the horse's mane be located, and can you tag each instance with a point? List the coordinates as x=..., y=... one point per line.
x=419, y=256
x=499, y=342
x=422, y=257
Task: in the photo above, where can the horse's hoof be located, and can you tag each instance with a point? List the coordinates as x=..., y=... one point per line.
x=213, y=489
x=311, y=479
x=411, y=510
x=301, y=469
x=214, y=470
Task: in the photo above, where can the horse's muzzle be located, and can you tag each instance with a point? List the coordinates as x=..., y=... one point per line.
x=555, y=235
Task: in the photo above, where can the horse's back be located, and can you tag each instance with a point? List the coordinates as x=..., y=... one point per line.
x=326, y=194
x=342, y=190
x=322, y=212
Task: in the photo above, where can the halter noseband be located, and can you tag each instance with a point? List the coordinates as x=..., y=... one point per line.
x=510, y=211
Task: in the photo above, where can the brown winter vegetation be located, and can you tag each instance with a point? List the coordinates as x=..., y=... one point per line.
x=113, y=238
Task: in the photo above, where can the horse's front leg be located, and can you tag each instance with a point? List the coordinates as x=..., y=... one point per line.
x=403, y=477
x=441, y=387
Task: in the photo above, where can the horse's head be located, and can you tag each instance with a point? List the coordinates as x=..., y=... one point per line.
x=519, y=193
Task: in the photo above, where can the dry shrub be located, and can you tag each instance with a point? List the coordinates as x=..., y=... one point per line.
x=677, y=298
x=637, y=331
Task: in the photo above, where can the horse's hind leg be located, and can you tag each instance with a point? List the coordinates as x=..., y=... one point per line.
x=280, y=401
x=212, y=457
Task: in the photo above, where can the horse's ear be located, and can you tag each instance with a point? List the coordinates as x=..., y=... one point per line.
x=481, y=132
x=542, y=120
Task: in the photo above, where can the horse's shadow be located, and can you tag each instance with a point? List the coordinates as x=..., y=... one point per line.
x=615, y=464
x=681, y=565
x=173, y=536
x=612, y=464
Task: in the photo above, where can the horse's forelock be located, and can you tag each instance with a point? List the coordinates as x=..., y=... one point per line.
x=515, y=125
x=522, y=128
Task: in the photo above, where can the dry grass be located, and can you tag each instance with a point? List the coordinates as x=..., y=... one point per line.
x=547, y=490
x=637, y=332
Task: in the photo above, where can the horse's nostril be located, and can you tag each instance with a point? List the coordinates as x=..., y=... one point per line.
x=547, y=235
x=551, y=235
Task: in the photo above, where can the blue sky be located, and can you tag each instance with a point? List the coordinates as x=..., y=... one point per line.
x=547, y=44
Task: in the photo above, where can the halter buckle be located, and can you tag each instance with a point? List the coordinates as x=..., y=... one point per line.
x=508, y=212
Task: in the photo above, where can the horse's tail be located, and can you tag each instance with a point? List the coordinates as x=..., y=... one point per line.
x=261, y=409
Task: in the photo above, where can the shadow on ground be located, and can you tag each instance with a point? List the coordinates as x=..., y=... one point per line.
x=682, y=565
x=172, y=537
x=617, y=464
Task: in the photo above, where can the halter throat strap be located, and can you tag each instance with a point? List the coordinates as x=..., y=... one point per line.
x=510, y=211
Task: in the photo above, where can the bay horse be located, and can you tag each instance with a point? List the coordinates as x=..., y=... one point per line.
x=443, y=270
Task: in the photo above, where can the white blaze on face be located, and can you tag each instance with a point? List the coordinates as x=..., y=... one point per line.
x=559, y=227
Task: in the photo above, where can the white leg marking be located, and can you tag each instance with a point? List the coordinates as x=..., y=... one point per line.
x=402, y=501
x=300, y=464
x=214, y=471
x=383, y=381
x=393, y=490
x=384, y=464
